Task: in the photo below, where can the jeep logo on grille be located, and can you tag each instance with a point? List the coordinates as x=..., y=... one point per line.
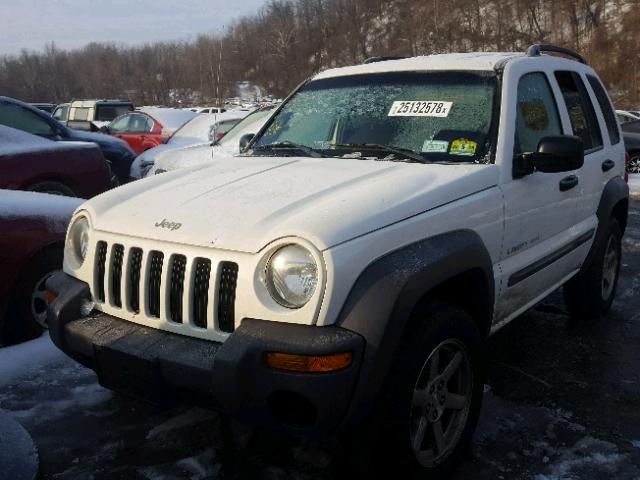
x=170, y=225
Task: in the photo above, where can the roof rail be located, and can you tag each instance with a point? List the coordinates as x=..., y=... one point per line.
x=382, y=59
x=537, y=49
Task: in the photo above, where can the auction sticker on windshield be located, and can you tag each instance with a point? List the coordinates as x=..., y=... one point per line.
x=420, y=108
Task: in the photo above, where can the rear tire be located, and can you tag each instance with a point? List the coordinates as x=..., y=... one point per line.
x=54, y=188
x=430, y=402
x=589, y=294
x=27, y=312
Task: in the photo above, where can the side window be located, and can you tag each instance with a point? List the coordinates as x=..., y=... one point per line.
x=537, y=114
x=120, y=125
x=20, y=118
x=80, y=113
x=140, y=124
x=61, y=113
x=607, y=109
x=581, y=112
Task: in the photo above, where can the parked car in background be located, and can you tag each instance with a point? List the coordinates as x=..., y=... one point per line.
x=61, y=113
x=74, y=169
x=200, y=130
x=45, y=107
x=91, y=115
x=625, y=116
x=208, y=109
x=631, y=127
x=202, y=155
x=148, y=128
x=632, y=144
x=32, y=233
x=17, y=114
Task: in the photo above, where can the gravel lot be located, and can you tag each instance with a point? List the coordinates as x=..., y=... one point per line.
x=561, y=403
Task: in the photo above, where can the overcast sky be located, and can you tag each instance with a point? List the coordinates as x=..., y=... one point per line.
x=74, y=23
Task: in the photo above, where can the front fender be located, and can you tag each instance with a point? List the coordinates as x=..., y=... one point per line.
x=385, y=295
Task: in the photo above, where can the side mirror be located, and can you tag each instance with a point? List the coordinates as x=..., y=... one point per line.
x=245, y=139
x=556, y=153
x=105, y=129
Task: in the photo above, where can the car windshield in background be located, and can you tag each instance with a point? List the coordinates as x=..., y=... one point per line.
x=435, y=116
x=106, y=113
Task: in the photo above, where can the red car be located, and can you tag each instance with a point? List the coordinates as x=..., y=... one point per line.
x=29, y=162
x=32, y=233
x=147, y=128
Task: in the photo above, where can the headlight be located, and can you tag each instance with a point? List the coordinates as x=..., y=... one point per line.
x=292, y=276
x=77, y=241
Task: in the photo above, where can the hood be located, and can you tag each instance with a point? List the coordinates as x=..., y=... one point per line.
x=244, y=203
x=193, y=156
x=106, y=142
x=143, y=162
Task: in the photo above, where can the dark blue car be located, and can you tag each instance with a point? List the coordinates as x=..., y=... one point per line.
x=22, y=116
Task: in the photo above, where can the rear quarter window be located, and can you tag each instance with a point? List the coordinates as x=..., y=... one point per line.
x=607, y=110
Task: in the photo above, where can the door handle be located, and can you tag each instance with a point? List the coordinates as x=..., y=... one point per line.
x=567, y=183
x=608, y=165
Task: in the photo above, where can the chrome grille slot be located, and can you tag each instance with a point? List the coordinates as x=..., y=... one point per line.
x=176, y=286
x=101, y=260
x=227, y=296
x=154, y=282
x=135, y=266
x=117, y=254
x=200, y=297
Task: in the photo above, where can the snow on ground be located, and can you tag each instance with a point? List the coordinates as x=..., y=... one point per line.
x=27, y=358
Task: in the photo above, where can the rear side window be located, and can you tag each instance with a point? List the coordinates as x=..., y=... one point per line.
x=607, y=110
x=15, y=116
x=106, y=112
x=80, y=113
x=581, y=112
x=537, y=116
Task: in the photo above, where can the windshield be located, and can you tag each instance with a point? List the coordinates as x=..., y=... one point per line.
x=106, y=113
x=439, y=116
x=195, y=130
x=249, y=124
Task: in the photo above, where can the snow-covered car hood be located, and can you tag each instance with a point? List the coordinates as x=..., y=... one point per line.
x=195, y=156
x=146, y=160
x=244, y=203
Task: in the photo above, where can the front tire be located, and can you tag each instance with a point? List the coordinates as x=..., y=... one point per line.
x=431, y=400
x=589, y=294
x=27, y=315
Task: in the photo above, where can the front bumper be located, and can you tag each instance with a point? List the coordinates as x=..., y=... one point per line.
x=230, y=377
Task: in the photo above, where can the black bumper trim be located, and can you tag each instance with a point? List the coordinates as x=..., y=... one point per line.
x=231, y=377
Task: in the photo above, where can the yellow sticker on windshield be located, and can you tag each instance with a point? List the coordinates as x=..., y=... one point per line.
x=463, y=146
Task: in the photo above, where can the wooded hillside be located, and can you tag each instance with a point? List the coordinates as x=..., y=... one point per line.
x=288, y=40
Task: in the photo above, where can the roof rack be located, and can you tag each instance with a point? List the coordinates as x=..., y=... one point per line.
x=537, y=49
x=382, y=59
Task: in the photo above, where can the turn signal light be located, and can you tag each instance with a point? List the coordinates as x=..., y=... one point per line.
x=51, y=296
x=309, y=363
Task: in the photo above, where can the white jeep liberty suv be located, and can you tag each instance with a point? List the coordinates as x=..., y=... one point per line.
x=343, y=273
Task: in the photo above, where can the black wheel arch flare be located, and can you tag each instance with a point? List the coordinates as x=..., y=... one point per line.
x=386, y=294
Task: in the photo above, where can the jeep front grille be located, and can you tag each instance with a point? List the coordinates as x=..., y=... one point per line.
x=194, y=292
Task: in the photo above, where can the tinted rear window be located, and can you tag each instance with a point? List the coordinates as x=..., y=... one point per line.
x=607, y=109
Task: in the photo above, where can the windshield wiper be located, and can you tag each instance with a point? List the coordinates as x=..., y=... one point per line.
x=403, y=152
x=287, y=145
